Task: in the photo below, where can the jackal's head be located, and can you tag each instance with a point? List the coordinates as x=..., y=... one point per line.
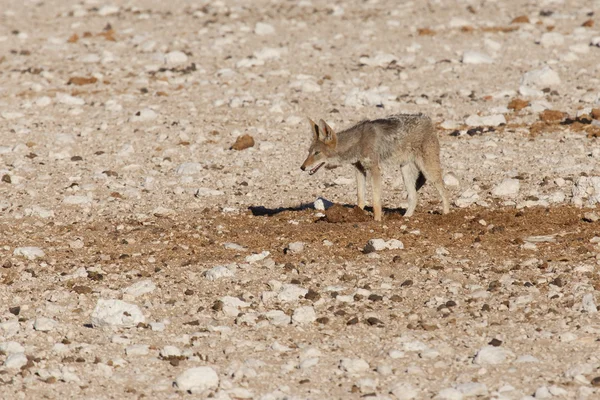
x=322, y=148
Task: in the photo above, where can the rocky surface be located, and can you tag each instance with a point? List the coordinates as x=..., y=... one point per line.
x=158, y=239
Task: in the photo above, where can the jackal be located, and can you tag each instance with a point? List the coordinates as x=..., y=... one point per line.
x=407, y=139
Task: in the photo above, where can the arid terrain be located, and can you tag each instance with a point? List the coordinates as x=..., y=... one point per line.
x=144, y=255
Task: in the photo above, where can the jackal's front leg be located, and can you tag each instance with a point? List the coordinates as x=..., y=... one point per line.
x=361, y=185
x=376, y=186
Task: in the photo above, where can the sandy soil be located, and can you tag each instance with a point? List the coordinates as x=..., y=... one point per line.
x=118, y=182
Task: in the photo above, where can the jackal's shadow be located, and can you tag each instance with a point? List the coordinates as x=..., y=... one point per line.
x=262, y=211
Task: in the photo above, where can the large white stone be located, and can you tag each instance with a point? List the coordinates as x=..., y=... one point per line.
x=490, y=355
x=263, y=29
x=291, y=293
x=116, y=313
x=589, y=304
x=43, y=324
x=175, y=58
x=218, y=272
x=507, y=188
x=304, y=315
x=9, y=348
x=476, y=57
x=449, y=394
x=404, y=391
x=30, y=253
x=353, y=365
x=189, y=168
x=15, y=361
x=197, y=380
x=541, y=78
x=140, y=288
x=552, y=39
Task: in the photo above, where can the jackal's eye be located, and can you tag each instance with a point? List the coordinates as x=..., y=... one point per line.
x=317, y=153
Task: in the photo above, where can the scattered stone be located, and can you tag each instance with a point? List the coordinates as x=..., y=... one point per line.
x=404, y=391
x=591, y=217
x=540, y=78
x=589, y=304
x=552, y=39
x=116, y=313
x=507, y=188
x=295, y=247
x=278, y=318
x=304, y=315
x=380, y=244
x=475, y=57
x=219, y=272
x=140, y=288
x=473, y=389
x=144, y=115
x=189, y=168
x=254, y=258
x=43, y=324
x=197, y=380
x=490, y=355
x=9, y=348
x=243, y=142
x=353, y=365
x=137, y=350
x=263, y=29
x=176, y=58
x=451, y=180
x=449, y=394
x=15, y=361
x=490, y=120
x=30, y=253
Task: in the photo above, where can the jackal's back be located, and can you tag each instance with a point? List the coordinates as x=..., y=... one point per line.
x=396, y=136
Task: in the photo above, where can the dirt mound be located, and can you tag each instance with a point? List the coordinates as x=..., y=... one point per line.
x=339, y=214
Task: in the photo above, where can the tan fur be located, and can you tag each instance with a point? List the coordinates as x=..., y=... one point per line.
x=407, y=139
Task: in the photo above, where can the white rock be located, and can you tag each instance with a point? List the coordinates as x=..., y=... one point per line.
x=473, y=389
x=77, y=200
x=157, y=326
x=43, y=101
x=322, y=204
x=11, y=115
x=450, y=125
x=589, y=304
x=304, y=315
x=15, y=361
x=146, y=114
x=291, y=293
x=595, y=41
x=475, y=57
x=542, y=393
x=558, y=391
x=116, y=313
x=232, y=305
x=234, y=246
x=43, y=324
x=394, y=244
x=140, y=288
x=218, y=272
x=295, y=247
x=379, y=60
x=507, y=188
x=137, y=350
x=395, y=354
x=263, y=29
x=268, y=53
x=30, y=253
x=207, y=192
x=189, y=168
x=175, y=58
x=353, y=365
x=108, y=10
x=197, y=380
x=278, y=318
x=451, y=180
x=489, y=120
x=253, y=258
x=541, y=78
x=490, y=355
x=404, y=391
x=449, y=394
x=308, y=363
x=375, y=245
x=552, y=39
x=67, y=99
x=170, y=351
x=528, y=358
x=9, y=348
x=9, y=328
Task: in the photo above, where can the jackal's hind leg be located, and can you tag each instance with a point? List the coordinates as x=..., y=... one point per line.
x=410, y=174
x=361, y=184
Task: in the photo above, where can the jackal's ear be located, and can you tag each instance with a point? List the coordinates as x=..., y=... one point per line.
x=314, y=128
x=329, y=135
